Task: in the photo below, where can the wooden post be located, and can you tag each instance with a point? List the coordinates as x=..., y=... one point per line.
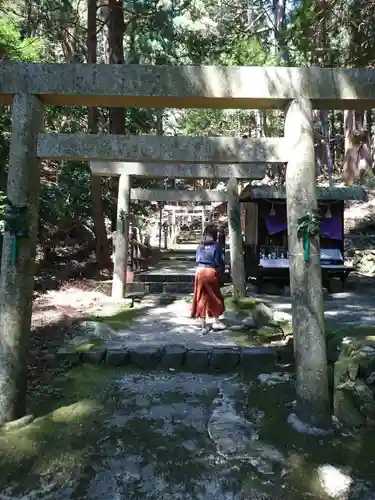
x=203, y=220
x=18, y=269
x=237, y=265
x=305, y=277
x=120, y=260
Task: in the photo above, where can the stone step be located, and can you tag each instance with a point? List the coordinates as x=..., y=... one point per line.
x=162, y=285
x=160, y=277
x=150, y=287
x=197, y=359
x=178, y=256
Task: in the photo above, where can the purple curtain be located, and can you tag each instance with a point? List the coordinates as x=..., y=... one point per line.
x=329, y=228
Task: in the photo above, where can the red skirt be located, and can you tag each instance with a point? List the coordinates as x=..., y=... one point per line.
x=207, y=300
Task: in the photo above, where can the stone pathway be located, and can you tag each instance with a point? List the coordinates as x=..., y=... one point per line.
x=172, y=324
x=350, y=308
x=172, y=436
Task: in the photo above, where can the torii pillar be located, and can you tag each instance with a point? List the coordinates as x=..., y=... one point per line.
x=18, y=262
x=305, y=277
x=121, y=243
x=237, y=263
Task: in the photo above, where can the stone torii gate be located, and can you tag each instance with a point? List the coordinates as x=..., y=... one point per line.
x=27, y=87
x=204, y=198
x=255, y=168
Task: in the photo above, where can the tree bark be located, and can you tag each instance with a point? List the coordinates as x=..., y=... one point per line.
x=279, y=8
x=357, y=157
x=371, y=136
x=305, y=277
x=17, y=277
x=102, y=245
x=324, y=120
x=116, y=28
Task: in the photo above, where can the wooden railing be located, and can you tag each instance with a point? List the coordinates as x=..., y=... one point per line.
x=141, y=255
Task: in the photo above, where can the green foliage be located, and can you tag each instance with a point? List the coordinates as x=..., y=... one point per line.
x=241, y=51
x=68, y=200
x=247, y=52
x=232, y=33
x=14, y=48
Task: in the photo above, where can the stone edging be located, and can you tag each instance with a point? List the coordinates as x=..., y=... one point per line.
x=178, y=357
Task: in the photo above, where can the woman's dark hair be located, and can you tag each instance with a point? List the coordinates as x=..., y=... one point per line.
x=209, y=234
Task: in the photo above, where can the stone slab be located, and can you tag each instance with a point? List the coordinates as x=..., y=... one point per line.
x=94, y=355
x=173, y=357
x=145, y=356
x=197, y=360
x=224, y=359
x=178, y=195
x=117, y=356
x=68, y=355
x=120, y=85
x=255, y=359
x=180, y=171
x=197, y=357
x=152, y=148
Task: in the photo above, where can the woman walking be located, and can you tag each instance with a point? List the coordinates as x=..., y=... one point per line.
x=208, y=301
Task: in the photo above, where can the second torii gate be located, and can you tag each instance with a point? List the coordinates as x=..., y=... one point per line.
x=256, y=155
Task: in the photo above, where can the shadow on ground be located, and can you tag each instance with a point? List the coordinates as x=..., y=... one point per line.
x=124, y=434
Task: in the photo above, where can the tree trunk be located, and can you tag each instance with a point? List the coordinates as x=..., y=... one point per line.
x=350, y=151
x=324, y=120
x=357, y=158
x=371, y=135
x=102, y=245
x=333, y=145
x=115, y=24
x=279, y=22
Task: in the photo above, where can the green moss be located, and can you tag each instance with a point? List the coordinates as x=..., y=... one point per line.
x=360, y=332
x=245, y=305
x=122, y=319
x=245, y=338
x=88, y=345
x=60, y=438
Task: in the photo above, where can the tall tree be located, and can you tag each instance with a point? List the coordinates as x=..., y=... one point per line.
x=115, y=37
x=102, y=245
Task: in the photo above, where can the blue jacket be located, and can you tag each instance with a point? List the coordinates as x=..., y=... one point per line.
x=210, y=255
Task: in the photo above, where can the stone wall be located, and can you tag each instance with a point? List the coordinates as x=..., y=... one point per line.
x=364, y=261
x=354, y=383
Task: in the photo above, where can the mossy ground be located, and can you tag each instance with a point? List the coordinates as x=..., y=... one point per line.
x=359, y=332
x=70, y=413
x=264, y=335
x=122, y=319
x=72, y=425
x=245, y=304
x=351, y=452
x=251, y=337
